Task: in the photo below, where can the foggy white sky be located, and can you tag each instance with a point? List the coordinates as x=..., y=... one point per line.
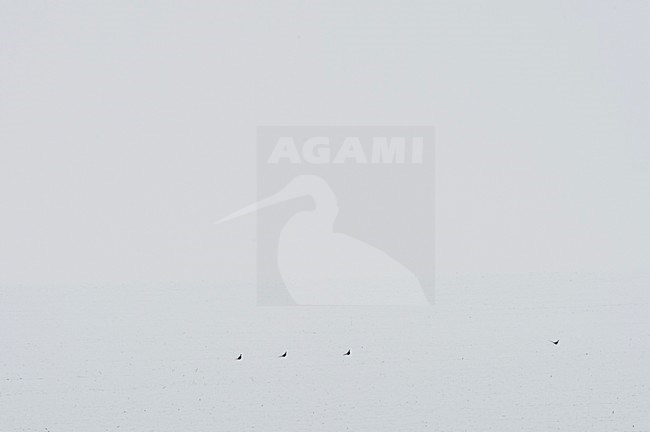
x=127, y=129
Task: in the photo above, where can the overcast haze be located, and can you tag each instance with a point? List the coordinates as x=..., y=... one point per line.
x=128, y=128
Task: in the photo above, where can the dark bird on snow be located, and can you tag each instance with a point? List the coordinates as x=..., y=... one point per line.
x=284, y=355
x=239, y=358
x=347, y=353
x=555, y=342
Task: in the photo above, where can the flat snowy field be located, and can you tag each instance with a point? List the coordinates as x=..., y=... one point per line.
x=163, y=359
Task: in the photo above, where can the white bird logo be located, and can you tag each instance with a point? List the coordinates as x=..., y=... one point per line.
x=323, y=267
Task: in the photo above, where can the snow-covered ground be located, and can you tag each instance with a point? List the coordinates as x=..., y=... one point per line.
x=163, y=359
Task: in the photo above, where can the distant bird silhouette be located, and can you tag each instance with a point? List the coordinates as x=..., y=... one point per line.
x=555, y=342
x=347, y=353
x=239, y=358
x=284, y=355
